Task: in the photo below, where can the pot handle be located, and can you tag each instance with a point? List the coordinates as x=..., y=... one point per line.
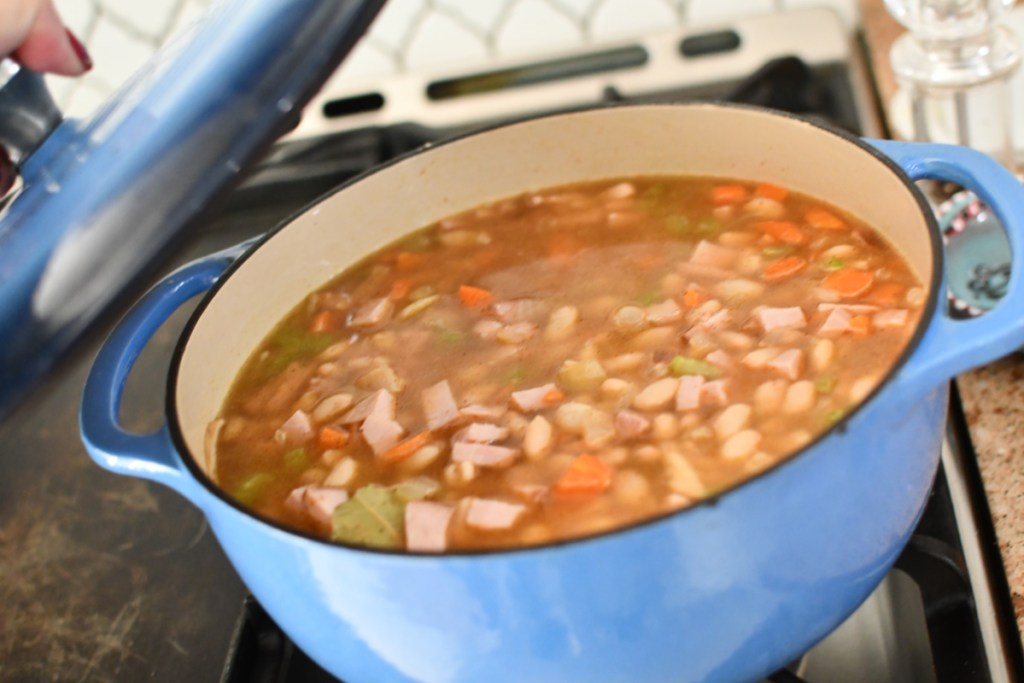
x=149, y=456
x=950, y=346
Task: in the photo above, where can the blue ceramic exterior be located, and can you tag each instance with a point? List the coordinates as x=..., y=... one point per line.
x=729, y=590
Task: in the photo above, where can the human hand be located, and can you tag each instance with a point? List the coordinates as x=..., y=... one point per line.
x=33, y=34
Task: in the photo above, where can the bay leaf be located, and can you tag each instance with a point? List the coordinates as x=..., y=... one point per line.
x=373, y=517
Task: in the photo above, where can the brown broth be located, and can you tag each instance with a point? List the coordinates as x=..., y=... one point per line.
x=607, y=249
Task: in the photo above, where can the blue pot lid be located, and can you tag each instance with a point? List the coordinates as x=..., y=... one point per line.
x=102, y=199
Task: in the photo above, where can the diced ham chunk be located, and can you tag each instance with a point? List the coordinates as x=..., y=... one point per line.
x=711, y=254
x=889, y=319
x=667, y=311
x=381, y=433
x=714, y=393
x=529, y=400
x=789, y=363
x=837, y=323
x=483, y=454
x=484, y=513
x=689, y=392
x=439, y=405
x=316, y=501
x=781, y=318
x=426, y=526
x=487, y=329
x=531, y=493
x=298, y=428
x=716, y=322
x=373, y=313
x=720, y=358
x=630, y=424
x=482, y=432
x=483, y=412
x=516, y=333
x=380, y=403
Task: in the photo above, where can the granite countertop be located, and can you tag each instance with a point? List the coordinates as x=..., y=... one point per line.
x=993, y=395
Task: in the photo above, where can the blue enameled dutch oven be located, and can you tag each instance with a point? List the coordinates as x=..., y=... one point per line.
x=728, y=590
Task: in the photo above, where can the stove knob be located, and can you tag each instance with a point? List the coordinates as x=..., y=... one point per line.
x=27, y=116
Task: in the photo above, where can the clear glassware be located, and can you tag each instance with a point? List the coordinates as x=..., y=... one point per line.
x=955, y=63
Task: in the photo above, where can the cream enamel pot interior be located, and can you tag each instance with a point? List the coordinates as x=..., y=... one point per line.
x=728, y=590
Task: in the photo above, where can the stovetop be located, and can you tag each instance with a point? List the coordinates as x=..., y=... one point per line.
x=105, y=578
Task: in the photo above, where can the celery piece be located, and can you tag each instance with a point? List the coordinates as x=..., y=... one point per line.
x=515, y=375
x=834, y=415
x=825, y=384
x=295, y=460
x=581, y=375
x=449, y=337
x=649, y=298
x=708, y=226
x=681, y=365
x=833, y=263
x=419, y=242
x=252, y=488
x=677, y=225
x=416, y=488
x=373, y=517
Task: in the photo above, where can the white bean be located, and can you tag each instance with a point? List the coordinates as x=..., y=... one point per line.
x=560, y=323
x=861, y=387
x=732, y=420
x=741, y=445
x=331, y=407
x=665, y=426
x=739, y=289
x=764, y=207
x=822, y=353
x=537, y=439
x=800, y=397
x=630, y=487
x=682, y=477
x=613, y=387
x=625, y=362
x=423, y=457
x=629, y=318
x=768, y=396
x=657, y=395
x=342, y=474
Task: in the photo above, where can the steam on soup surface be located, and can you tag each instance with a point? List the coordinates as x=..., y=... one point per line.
x=562, y=363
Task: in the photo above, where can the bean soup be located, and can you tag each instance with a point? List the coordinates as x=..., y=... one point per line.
x=563, y=363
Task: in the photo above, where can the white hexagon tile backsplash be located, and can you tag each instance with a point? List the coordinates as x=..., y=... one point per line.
x=409, y=35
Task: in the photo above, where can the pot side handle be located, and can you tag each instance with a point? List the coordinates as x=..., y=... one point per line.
x=954, y=346
x=149, y=456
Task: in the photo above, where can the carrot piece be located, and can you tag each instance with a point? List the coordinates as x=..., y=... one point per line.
x=694, y=297
x=848, y=282
x=554, y=396
x=333, y=437
x=728, y=194
x=886, y=295
x=586, y=475
x=783, y=268
x=783, y=231
x=770, y=191
x=400, y=288
x=407, y=260
x=404, y=449
x=860, y=324
x=474, y=297
x=823, y=220
x=324, y=321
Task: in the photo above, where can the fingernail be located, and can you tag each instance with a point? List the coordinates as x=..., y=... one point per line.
x=80, y=51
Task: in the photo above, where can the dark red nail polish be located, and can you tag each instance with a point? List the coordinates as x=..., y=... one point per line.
x=80, y=51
